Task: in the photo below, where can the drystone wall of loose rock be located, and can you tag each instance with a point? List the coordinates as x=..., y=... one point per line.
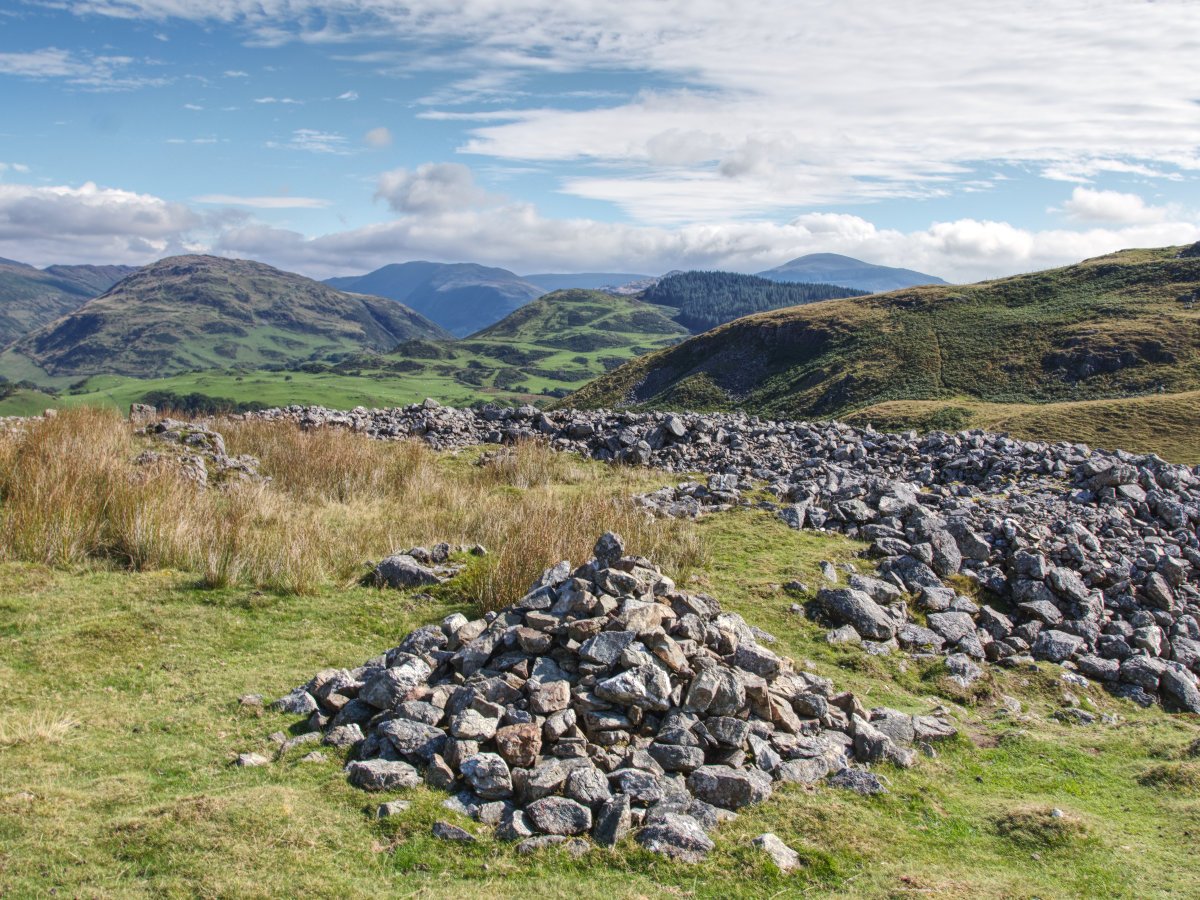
x=1092, y=556
x=605, y=700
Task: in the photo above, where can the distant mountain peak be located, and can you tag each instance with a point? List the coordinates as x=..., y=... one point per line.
x=846, y=271
x=460, y=297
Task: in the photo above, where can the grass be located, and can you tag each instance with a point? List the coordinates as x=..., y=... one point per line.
x=122, y=716
x=1118, y=326
x=1165, y=424
x=72, y=495
x=140, y=798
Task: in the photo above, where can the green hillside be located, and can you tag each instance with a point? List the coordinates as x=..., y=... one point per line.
x=31, y=298
x=1122, y=325
x=187, y=313
x=546, y=349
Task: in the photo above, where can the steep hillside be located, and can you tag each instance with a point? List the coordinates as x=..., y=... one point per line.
x=1121, y=325
x=461, y=297
x=832, y=268
x=196, y=312
x=704, y=300
x=31, y=298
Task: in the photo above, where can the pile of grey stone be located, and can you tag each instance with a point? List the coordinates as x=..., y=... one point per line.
x=197, y=452
x=1088, y=558
x=605, y=702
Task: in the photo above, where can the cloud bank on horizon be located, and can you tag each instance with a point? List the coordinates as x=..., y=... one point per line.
x=968, y=140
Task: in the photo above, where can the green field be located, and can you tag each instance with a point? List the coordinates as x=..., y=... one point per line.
x=123, y=721
x=548, y=348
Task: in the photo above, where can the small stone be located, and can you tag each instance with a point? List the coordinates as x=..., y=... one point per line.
x=251, y=760
x=447, y=832
x=392, y=808
x=785, y=858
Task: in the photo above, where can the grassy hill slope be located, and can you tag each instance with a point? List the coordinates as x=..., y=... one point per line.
x=548, y=348
x=1121, y=325
x=195, y=312
x=31, y=298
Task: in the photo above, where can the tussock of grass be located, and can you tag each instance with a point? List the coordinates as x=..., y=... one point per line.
x=36, y=728
x=1040, y=827
x=71, y=495
x=1178, y=777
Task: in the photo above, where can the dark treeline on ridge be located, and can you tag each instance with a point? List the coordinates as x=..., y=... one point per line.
x=708, y=299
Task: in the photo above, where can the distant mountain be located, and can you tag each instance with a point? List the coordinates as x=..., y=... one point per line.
x=1122, y=325
x=704, y=300
x=31, y=298
x=587, y=281
x=461, y=297
x=202, y=312
x=832, y=268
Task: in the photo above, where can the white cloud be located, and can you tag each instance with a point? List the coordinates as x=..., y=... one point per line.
x=89, y=224
x=431, y=188
x=193, y=106
x=313, y=141
x=285, y=100
x=378, y=138
x=264, y=202
x=235, y=73
x=1115, y=207
x=780, y=107
x=20, y=168
x=98, y=73
x=444, y=215
x=348, y=95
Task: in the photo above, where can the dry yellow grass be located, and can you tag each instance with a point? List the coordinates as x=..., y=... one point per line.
x=71, y=494
x=36, y=728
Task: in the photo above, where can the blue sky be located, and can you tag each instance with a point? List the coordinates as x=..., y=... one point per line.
x=965, y=139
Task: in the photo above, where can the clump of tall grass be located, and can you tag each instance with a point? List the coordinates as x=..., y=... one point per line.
x=72, y=495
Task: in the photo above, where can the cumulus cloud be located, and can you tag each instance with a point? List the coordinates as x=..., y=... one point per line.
x=378, y=138
x=1087, y=205
x=89, y=223
x=442, y=216
x=431, y=188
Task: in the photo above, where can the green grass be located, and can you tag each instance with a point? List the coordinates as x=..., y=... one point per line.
x=548, y=347
x=122, y=720
x=1166, y=424
x=1123, y=325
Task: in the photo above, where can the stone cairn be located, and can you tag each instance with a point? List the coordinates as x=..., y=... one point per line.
x=604, y=701
x=1087, y=558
